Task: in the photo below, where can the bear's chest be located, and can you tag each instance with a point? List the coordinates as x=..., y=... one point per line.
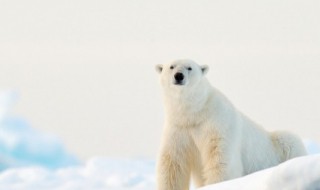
x=191, y=114
x=187, y=119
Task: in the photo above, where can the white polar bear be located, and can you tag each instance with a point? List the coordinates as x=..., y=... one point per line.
x=207, y=138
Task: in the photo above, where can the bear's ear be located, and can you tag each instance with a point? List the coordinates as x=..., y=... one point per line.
x=204, y=69
x=159, y=68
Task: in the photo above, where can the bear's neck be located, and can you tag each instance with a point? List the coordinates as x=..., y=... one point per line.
x=187, y=102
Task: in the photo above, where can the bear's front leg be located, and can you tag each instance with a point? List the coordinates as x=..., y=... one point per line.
x=173, y=167
x=214, y=160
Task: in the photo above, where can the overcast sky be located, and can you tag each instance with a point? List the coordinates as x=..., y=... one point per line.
x=85, y=69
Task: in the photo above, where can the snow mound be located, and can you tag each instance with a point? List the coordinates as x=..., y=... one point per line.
x=298, y=173
x=21, y=145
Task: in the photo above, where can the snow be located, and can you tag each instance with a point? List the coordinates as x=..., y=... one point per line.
x=298, y=173
x=97, y=173
x=33, y=160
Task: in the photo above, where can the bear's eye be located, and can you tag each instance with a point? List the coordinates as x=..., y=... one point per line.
x=171, y=67
x=189, y=68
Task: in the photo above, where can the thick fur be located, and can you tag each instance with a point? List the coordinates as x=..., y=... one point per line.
x=205, y=137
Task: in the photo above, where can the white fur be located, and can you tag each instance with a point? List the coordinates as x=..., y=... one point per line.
x=207, y=138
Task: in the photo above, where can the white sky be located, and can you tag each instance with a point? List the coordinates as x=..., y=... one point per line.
x=85, y=69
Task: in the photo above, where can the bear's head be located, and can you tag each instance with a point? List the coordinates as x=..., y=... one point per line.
x=181, y=73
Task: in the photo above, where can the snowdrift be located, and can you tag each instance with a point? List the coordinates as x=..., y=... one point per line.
x=299, y=173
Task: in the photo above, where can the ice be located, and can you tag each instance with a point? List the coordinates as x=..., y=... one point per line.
x=312, y=146
x=33, y=160
x=22, y=145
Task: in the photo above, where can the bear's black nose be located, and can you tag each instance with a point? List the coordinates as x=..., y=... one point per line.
x=179, y=77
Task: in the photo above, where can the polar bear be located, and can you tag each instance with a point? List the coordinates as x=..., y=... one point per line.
x=205, y=137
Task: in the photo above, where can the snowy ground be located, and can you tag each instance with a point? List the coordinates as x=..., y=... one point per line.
x=96, y=174
x=34, y=160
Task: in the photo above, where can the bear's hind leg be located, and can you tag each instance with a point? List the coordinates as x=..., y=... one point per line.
x=288, y=145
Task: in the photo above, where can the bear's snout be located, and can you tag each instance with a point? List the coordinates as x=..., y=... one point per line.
x=179, y=77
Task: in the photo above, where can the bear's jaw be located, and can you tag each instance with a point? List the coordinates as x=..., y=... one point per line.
x=179, y=83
